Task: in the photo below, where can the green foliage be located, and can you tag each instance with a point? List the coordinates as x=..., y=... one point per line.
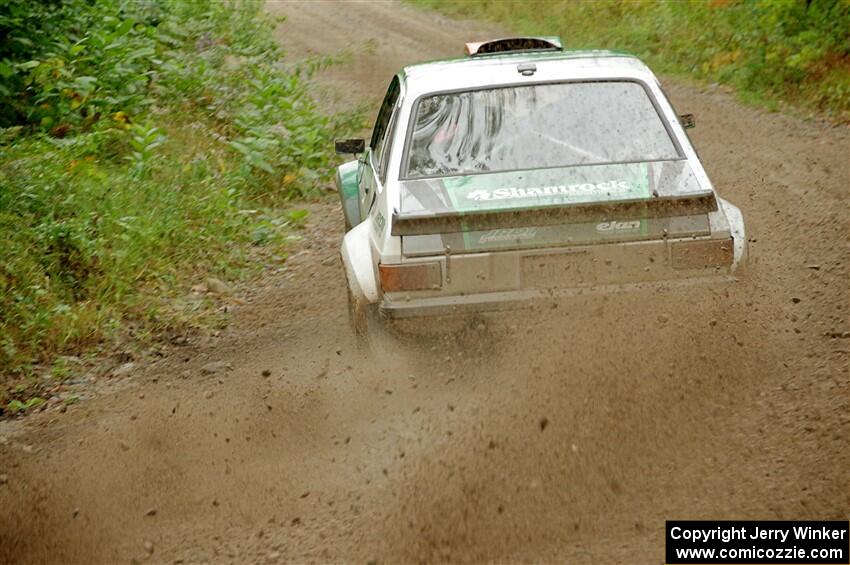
x=769, y=50
x=14, y=406
x=144, y=145
x=94, y=58
x=143, y=141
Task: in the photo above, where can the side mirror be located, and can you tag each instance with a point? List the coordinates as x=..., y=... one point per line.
x=350, y=146
x=687, y=121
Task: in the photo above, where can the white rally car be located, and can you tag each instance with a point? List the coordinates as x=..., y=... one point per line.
x=520, y=172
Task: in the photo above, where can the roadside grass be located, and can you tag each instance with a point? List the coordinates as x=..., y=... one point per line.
x=772, y=52
x=144, y=147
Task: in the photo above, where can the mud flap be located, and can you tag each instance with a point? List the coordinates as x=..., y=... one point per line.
x=371, y=332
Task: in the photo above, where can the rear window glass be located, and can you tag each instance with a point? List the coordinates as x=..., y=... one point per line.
x=536, y=126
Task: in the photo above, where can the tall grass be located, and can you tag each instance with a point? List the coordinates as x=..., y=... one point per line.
x=144, y=145
x=770, y=51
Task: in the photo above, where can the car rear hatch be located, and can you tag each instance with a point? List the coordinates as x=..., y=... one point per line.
x=561, y=227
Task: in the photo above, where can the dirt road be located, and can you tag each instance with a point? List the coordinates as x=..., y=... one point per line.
x=569, y=435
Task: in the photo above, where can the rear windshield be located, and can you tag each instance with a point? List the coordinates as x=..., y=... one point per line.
x=529, y=127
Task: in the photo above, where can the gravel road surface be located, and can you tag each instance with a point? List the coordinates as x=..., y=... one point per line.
x=564, y=435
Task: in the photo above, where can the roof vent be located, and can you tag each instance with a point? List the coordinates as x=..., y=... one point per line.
x=514, y=44
x=526, y=69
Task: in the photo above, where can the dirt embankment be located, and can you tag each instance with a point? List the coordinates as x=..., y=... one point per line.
x=568, y=435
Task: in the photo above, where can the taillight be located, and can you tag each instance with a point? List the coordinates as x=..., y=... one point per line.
x=413, y=276
x=703, y=253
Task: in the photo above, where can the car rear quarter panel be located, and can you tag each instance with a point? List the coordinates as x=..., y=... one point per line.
x=357, y=259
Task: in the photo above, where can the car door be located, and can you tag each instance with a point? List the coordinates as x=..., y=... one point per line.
x=374, y=163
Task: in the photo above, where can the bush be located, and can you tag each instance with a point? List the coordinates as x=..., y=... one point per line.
x=143, y=145
x=769, y=50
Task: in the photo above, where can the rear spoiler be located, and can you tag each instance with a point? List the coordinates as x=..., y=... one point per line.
x=657, y=207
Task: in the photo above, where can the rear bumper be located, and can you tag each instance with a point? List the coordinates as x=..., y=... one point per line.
x=517, y=299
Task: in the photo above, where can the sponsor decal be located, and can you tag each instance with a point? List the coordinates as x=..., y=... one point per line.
x=618, y=226
x=612, y=187
x=508, y=234
x=380, y=222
